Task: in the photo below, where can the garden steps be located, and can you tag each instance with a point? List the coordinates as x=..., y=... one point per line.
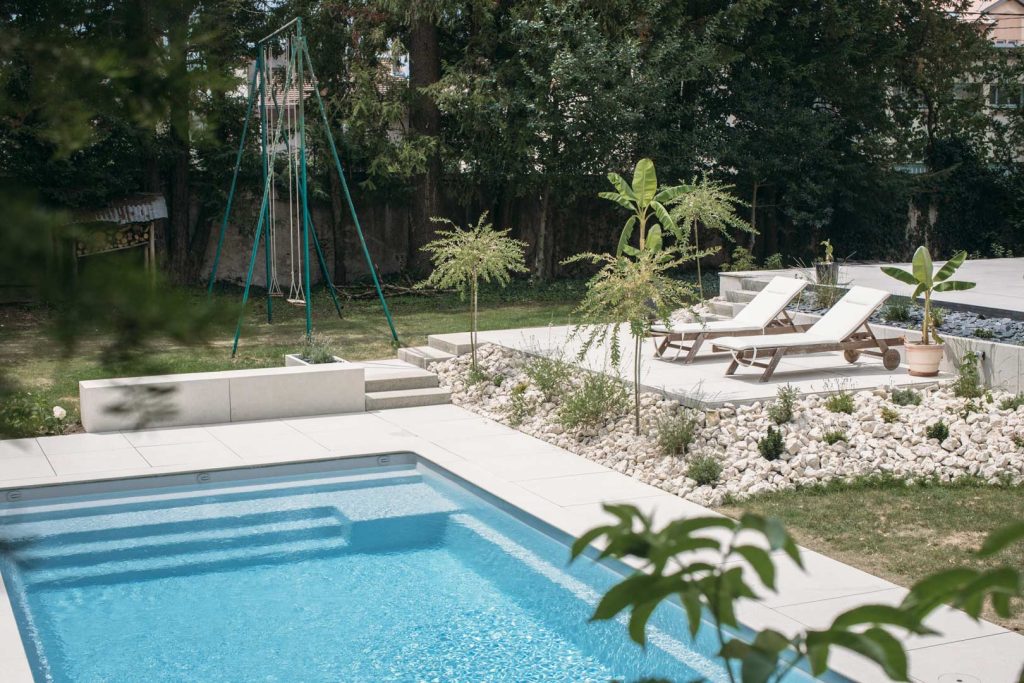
x=740, y=296
x=423, y=356
x=400, y=375
x=407, y=398
x=456, y=344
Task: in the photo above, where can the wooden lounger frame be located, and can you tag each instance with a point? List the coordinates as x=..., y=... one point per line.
x=663, y=341
x=862, y=341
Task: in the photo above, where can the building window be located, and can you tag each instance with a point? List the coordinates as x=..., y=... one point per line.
x=1005, y=97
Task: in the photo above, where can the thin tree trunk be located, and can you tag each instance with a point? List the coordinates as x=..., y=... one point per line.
x=424, y=120
x=179, y=204
x=753, y=216
x=541, y=261
x=472, y=326
x=338, y=228
x=636, y=384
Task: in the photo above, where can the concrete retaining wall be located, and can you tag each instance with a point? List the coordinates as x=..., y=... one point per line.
x=214, y=397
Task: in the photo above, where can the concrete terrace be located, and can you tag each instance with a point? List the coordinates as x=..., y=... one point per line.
x=555, y=486
x=999, y=291
x=704, y=380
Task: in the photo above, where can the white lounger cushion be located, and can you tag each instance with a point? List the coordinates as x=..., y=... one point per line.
x=756, y=315
x=842, y=320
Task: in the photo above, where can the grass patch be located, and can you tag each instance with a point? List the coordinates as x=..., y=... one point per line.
x=896, y=531
x=38, y=367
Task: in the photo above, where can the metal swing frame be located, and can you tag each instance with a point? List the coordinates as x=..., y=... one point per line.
x=299, y=58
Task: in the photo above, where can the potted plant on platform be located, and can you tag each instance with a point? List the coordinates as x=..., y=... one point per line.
x=827, y=270
x=924, y=356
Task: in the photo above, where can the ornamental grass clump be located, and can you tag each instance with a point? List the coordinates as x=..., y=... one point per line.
x=550, y=375
x=781, y=409
x=676, y=432
x=906, y=397
x=704, y=469
x=937, y=430
x=463, y=257
x=597, y=398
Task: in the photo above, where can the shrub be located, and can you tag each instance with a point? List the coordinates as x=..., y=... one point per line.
x=770, y=445
x=781, y=409
x=550, y=375
x=897, y=311
x=889, y=415
x=968, y=381
x=773, y=262
x=983, y=333
x=937, y=430
x=1018, y=441
x=316, y=349
x=597, y=398
x=30, y=415
x=519, y=406
x=675, y=432
x=704, y=469
x=1012, y=402
x=498, y=379
x=475, y=375
x=742, y=259
x=834, y=436
x=906, y=397
x=939, y=316
x=826, y=296
x=840, y=402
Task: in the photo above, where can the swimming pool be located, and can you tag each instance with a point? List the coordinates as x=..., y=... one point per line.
x=390, y=573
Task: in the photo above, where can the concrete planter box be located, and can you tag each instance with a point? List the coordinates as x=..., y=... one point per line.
x=228, y=396
x=295, y=360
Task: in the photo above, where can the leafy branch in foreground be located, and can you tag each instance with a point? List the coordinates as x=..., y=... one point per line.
x=704, y=563
x=631, y=291
x=463, y=257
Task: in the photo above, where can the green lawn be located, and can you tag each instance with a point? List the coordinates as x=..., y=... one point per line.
x=899, y=532
x=40, y=369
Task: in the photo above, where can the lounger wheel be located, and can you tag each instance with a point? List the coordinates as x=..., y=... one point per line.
x=851, y=355
x=891, y=359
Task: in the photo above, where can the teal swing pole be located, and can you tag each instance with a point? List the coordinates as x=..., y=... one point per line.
x=348, y=195
x=299, y=57
x=234, y=180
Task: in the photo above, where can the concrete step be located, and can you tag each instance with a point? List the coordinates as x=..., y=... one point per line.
x=740, y=296
x=456, y=344
x=407, y=398
x=395, y=379
x=423, y=356
x=753, y=284
x=725, y=309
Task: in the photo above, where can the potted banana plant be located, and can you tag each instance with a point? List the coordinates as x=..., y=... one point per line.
x=924, y=357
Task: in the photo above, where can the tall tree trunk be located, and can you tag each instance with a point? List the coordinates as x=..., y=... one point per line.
x=753, y=216
x=424, y=120
x=179, y=222
x=541, y=258
x=338, y=228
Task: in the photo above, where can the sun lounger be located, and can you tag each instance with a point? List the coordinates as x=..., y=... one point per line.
x=844, y=328
x=765, y=314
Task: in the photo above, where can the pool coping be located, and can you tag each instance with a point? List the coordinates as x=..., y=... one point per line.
x=558, y=488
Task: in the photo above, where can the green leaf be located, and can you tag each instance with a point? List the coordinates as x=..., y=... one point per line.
x=627, y=234
x=624, y=202
x=879, y=614
x=638, y=621
x=900, y=274
x=581, y=543
x=622, y=594
x=694, y=610
x=938, y=587
x=761, y=562
x=645, y=182
x=893, y=657
x=922, y=266
x=1001, y=538
x=668, y=194
x=665, y=218
x=954, y=286
x=620, y=184
x=653, y=243
x=950, y=266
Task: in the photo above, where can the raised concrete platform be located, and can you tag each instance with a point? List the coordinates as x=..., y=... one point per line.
x=999, y=291
x=559, y=488
x=704, y=381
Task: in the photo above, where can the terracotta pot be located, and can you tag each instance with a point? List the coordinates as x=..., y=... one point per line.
x=923, y=359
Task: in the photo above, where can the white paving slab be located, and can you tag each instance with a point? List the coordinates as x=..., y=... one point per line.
x=705, y=379
x=557, y=487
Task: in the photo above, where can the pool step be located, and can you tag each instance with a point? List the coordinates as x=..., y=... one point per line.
x=423, y=356
x=407, y=398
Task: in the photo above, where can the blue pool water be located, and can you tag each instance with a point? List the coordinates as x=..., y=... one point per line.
x=374, y=575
